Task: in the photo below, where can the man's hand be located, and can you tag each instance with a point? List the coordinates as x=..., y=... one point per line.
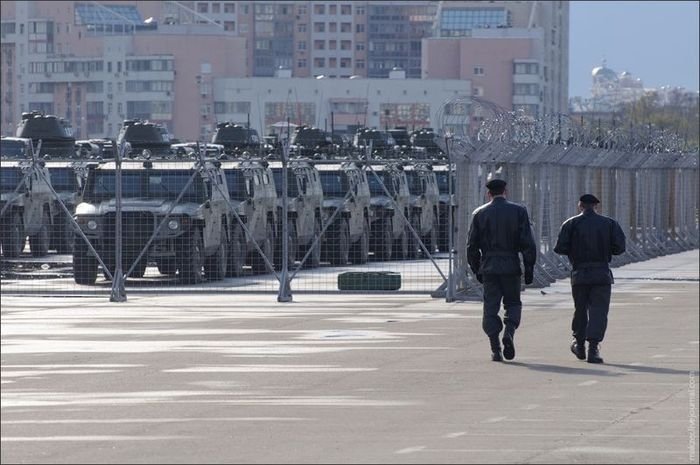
x=529, y=276
x=480, y=278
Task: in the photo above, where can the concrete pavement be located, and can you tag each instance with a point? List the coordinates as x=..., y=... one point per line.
x=350, y=378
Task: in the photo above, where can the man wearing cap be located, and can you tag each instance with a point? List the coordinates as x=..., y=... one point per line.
x=590, y=240
x=499, y=231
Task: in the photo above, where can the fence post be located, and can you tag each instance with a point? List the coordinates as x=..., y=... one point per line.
x=285, y=291
x=118, y=286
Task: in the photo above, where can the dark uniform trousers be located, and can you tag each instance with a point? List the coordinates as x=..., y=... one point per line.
x=592, y=303
x=505, y=287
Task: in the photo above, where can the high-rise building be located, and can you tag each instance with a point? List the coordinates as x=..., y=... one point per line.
x=515, y=53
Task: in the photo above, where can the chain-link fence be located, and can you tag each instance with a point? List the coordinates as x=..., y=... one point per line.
x=202, y=221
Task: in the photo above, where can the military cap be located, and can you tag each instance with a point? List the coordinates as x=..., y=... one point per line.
x=588, y=198
x=495, y=184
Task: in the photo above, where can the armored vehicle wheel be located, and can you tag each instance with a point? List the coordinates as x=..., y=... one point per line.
x=384, y=240
x=191, y=257
x=13, y=237
x=430, y=239
x=167, y=266
x=216, y=265
x=139, y=269
x=314, y=259
x=39, y=242
x=401, y=244
x=360, y=252
x=267, y=247
x=340, y=244
x=413, y=245
x=237, y=253
x=292, y=246
x=84, y=264
x=66, y=237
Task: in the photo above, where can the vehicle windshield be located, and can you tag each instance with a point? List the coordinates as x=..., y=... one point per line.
x=236, y=181
x=292, y=187
x=375, y=188
x=12, y=149
x=334, y=183
x=64, y=179
x=10, y=178
x=147, y=184
x=415, y=185
x=442, y=182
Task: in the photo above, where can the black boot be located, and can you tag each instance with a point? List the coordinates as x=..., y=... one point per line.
x=508, y=345
x=594, y=353
x=578, y=348
x=495, y=349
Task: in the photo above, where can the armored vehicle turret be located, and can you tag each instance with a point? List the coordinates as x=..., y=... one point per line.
x=55, y=133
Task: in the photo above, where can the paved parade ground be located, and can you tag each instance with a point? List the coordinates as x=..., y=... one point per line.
x=350, y=378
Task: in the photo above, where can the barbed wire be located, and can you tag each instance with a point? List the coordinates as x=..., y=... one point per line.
x=471, y=121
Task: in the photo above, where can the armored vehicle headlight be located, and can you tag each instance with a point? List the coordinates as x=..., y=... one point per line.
x=92, y=225
x=173, y=224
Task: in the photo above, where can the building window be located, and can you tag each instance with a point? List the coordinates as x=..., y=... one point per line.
x=229, y=25
x=359, y=28
x=319, y=44
x=346, y=45
x=216, y=8
x=346, y=62
x=360, y=10
x=332, y=62
x=231, y=107
x=332, y=44
x=459, y=21
x=229, y=7
x=478, y=71
x=526, y=68
x=301, y=27
x=346, y=27
x=301, y=63
x=202, y=7
x=319, y=27
x=301, y=10
x=345, y=9
x=333, y=10
x=478, y=91
x=301, y=45
x=319, y=9
x=360, y=64
x=360, y=46
x=526, y=89
x=319, y=62
x=332, y=27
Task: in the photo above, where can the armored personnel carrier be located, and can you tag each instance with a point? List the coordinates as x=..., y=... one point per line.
x=145, y=139
x=389, y=231
x=236, y=138
x=27, y=207
x=304, y=209
x=55, y=133
x=194, y=243
x=345, y=188
x=251, y=188
x=425, y=196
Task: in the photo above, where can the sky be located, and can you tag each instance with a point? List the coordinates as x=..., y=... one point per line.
x=656, y=41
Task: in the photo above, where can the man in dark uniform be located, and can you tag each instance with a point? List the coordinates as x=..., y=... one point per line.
x=499, y=231
x=590, y=240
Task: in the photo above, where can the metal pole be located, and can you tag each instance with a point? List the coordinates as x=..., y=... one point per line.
x=285, y=291
x=118, y=285
x=450, y=294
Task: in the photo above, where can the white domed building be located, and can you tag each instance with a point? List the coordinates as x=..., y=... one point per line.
x=610, y=89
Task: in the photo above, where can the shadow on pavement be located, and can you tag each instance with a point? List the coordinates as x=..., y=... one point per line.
x=567, y=370
x=647, y=369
